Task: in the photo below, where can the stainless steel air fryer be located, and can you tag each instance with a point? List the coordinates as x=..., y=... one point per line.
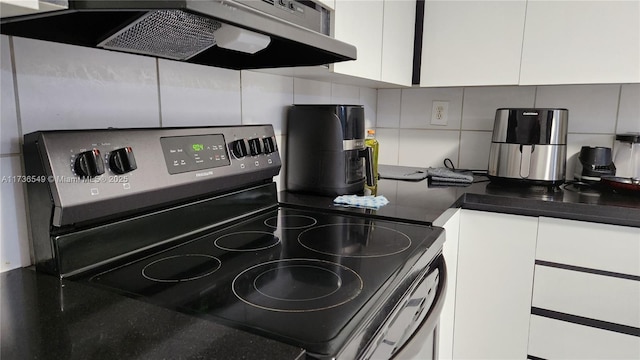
x=529, y=146
x=325, y=151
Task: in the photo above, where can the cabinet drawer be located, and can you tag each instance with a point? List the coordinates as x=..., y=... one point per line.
x=594, y=246
x=555, y=339
x=588, y=295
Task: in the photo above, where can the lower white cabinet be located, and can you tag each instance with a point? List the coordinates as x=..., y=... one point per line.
x=545, y=288
x=494, y=285
x=604, y=247
x=593, y=296
x=555, y=339
x=450, y=221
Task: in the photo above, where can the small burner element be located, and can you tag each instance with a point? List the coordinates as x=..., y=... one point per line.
x=180, y=268
x=297, y=285
x=354, y=240
x=247, y=241
x=290, y=221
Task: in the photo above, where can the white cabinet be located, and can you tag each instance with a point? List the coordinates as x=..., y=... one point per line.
x=360, y=23
x=595, y=246
x=530, y=42
x=450, y=221
x=10, y=8
x=586, y=293
x=604, y=298
x=472, y=42
x=398, y=29
x=555, y=339
x=382, y=31
x=494, y=285
x=578, y=42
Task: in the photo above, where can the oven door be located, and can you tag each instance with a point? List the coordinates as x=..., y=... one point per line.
x=411, y=331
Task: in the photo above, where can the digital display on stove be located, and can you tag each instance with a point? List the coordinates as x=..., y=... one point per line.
x=192, y=153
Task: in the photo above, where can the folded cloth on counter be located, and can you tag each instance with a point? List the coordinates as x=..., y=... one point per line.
x=443, y=175
x=371, y=202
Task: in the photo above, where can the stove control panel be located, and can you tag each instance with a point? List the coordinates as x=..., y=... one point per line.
x=128, y=169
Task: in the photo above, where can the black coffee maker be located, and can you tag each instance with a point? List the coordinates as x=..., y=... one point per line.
x=325, y=150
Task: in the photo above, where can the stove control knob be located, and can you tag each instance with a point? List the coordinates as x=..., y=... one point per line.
x=269, y=145
x=239, y=148
x=122, y=160
x=255, y=147
x=89, y=164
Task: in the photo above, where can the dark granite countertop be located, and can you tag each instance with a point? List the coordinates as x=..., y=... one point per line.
x=46, y=318
x=416, y=202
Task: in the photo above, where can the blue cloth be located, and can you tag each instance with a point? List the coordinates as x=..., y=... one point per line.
x=371, y=202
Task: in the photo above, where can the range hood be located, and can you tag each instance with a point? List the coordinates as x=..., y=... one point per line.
x=235, y=34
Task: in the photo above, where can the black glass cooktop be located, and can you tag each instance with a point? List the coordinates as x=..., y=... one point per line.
x=302, y=277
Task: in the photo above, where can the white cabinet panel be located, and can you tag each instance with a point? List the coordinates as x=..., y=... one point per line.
x=450, y=221
x=595, y=246
x=472, y=42
x=578, y=42
x=494, y=285
x=598, y=297
x=397, y=41
x=360, y=23
x=555, y=339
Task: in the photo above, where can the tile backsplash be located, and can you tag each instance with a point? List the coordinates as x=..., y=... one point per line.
x=596, y=114
x=57, y=86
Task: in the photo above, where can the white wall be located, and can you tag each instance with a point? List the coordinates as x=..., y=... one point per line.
x=596, y=114
x=54, y=86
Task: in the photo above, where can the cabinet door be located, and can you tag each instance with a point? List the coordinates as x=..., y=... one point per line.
x=494, y=286
x=360, y=23
x=450, y=221
x=555, y=339
x=577, y=42
x=397, y=41
x=604, y=247
x=472, y=42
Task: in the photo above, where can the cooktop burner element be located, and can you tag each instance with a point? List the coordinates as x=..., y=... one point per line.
x=290, y=222
x=297, y=285
x=247, y=241
x=179, y=268
x=354, y=240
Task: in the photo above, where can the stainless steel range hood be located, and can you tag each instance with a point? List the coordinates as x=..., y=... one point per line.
x=235, y=34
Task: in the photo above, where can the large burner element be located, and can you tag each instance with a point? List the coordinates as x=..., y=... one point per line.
x=297, y=285
x=181, y=268
x=355, y=240
x=247, y=241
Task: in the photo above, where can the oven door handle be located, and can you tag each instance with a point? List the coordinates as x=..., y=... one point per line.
x=411, y=348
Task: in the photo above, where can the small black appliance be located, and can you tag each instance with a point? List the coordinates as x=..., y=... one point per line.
x=326, y=151
x=594, y=162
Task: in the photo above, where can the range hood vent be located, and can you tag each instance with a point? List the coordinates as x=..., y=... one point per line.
x=235, y=34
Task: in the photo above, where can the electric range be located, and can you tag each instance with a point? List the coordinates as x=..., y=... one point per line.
x=194, y=225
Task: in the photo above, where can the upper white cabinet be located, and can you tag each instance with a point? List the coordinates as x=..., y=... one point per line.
x=10, y=8
x=360, y=23
x=578, y=42
x=472, y=42
x=383, y=33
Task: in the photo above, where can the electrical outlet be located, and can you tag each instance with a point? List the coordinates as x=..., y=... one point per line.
x=440, y=113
